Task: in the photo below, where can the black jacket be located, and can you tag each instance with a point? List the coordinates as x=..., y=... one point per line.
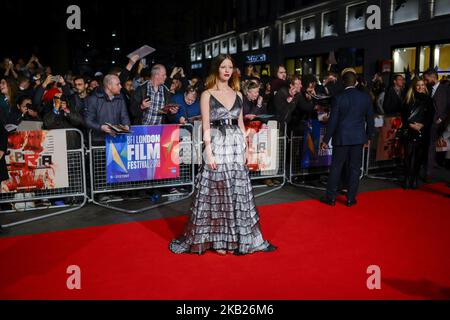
x=351, y=120
x=62, y=120
x=419, y=110
x=441, y=103
x=3, y=147
x=304, y=110
x=100, y=110
x=393, y=102
x=250, y=107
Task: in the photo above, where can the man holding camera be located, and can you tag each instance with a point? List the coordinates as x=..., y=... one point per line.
x=25, y=111
x=63, y=116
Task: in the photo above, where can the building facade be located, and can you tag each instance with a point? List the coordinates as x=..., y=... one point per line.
x=312, y=37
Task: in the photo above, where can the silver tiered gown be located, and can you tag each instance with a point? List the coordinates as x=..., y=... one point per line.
x=223, y=215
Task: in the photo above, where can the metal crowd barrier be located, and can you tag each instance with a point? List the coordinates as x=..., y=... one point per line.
x=100, y=186
x=384, y=169
x=298, y=176
x=76, y=192
x=280, y=172
x=255, y=176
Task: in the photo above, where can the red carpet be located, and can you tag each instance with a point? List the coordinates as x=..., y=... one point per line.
x=323, y=254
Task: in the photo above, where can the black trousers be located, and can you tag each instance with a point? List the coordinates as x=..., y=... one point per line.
x=415, y=156
x=349, y=158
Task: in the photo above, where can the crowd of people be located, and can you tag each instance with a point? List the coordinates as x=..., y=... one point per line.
x=138, y=95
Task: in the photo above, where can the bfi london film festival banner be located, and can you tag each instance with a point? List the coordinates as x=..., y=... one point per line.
x=312, y=155
x=36, y=160
x=147, y=153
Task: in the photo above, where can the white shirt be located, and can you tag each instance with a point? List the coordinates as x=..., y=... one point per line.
x=433, y=90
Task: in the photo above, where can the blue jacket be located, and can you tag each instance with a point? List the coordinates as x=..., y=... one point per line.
x=351, y=120
x=100, y=109
x=185, y=110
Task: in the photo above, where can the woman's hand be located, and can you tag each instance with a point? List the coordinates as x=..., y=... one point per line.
x=416, y=126
x=211, y=161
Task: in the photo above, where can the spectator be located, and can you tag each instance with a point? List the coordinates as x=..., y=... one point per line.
x=63, y=116
x=25, y=111
x=276, y=84
x=8, y=95
x=3, y=148
x=252, y=101
x=43, y=97
x=149, y=99
x=9, y=69
x=189, y=105
x=177, y=81
x=378, y=92
x=285, y=100
x=25, y=86
x=394, y=96
x=77, y=98
x=440, y=93
x=280, y=79
x=333, y=85
x=93, y=85
x=106, y=105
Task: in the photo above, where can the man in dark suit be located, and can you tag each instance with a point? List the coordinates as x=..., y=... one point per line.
x=351, y=126
x=440, y=93
x=395, y=95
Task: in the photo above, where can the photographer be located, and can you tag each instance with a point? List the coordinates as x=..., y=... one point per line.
x=63, y=116
x=9, y=69
x=177, y=81
x=44, y=93
x=25, y=111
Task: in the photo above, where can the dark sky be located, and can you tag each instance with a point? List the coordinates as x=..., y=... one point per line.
x=40, y=27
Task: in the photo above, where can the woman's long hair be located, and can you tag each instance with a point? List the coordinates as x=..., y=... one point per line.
x=412, y=89
x=211, y=81
x=13, y=91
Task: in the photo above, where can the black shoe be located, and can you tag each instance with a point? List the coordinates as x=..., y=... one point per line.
x=270, y=248
x=328, y=201
x=406, y=183
x=350, y=203
x=238, y=253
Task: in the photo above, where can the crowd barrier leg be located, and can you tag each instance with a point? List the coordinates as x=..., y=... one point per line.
x=76, y=189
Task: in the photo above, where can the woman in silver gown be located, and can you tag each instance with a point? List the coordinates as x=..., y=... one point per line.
x=223, y=216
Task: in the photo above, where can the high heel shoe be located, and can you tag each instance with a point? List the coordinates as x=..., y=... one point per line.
x=270, y=248
x=221, y=252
